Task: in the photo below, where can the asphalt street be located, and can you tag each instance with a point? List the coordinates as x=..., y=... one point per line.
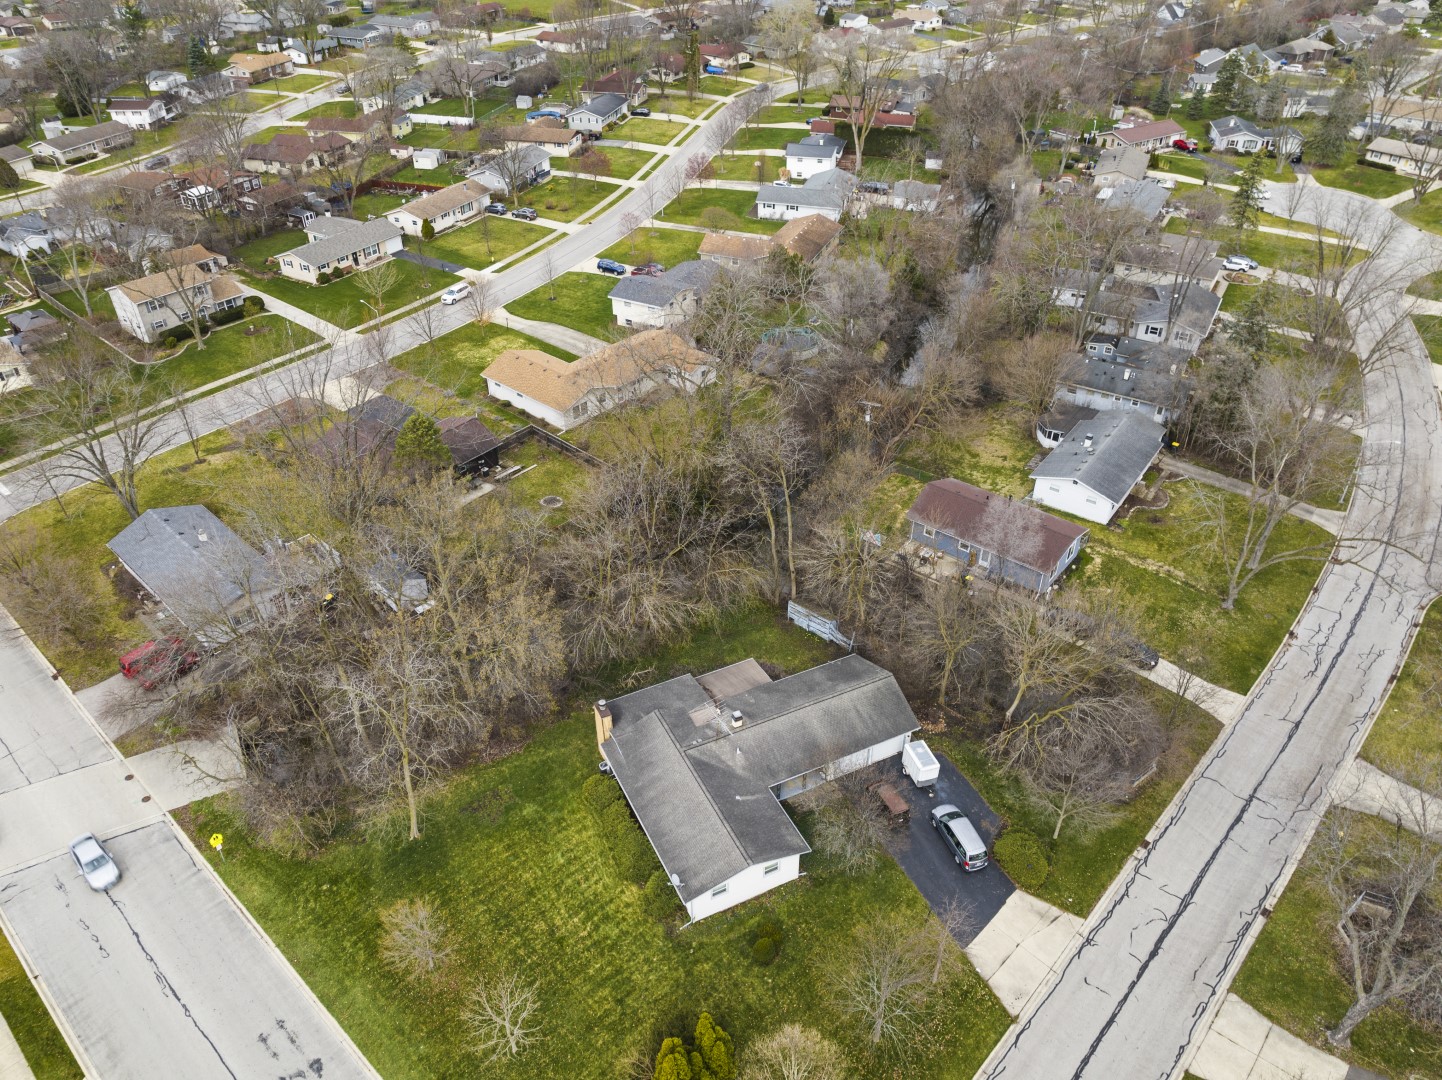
x=1159, y=951
x=165, y=975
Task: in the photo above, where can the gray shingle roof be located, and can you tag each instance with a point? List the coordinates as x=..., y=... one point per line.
x=1145, y=197
x=1123, y=445
x=341, y=236
x=190, y=561
x=603, y=105
x=821, y=144
x=703, y=790
x=1129, y=381
x=660, y=291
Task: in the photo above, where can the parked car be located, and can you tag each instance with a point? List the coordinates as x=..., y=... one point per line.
x=960, y=836
x=158, y=162
x=433, y=41
x=1188, y=146
x=641, y=111
x=158, y=662
x=658, y=267
x=497, y=208
x=1143, y=655
x=1296, y=159
x=645, y=271
x=94, y=862
x=610, y=266
x=525, y=213
x=1239, y=263
x=456, y=293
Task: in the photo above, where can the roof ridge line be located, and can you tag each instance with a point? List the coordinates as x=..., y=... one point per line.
x=701, y=784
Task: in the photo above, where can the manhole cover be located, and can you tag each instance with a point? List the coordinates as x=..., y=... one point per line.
x=551, y=502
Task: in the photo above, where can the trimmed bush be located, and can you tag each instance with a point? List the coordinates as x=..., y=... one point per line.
x=629, y=848
x=168, y=341
x=658, y=898
x=228, y=316
x=600, y=792
x=766, y=940
x=253, y=305
x=1023, y=858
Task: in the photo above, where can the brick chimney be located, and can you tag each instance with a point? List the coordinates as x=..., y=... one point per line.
x=603, y=721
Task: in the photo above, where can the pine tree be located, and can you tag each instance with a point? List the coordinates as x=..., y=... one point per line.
x=829, y=19
x=428, y=233
x=8, y=178
x=196, y=58
x=1246, y=198
x=672, y=1062
x=1161, y=102
x=714, y=1051
x=1197, y=104
x=1229, y=76
x=419, y=444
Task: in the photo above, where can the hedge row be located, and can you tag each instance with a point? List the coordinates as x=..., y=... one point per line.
x=629, y=848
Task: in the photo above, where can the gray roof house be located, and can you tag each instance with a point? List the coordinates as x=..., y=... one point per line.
x=1148, y=382
x=1208, y=60
x=340, y=244
x=364, y=36
x=1239, y=134
x=825, y=193
x=705, y=762
x=24, y=234
x=1168, y=258
x=1145, y=197
x=1119, y=163
x=813, y=154
x=189, y=560
x=600, y=112
x=665, y=300
x=1095, y=467
x=1179, y=314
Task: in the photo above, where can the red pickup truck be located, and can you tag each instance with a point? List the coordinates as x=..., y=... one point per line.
x=158, y=662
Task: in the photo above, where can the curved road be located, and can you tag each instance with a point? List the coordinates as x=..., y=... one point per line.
x=1159, y=950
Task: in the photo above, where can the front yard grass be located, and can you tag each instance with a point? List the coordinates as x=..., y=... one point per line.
x=29, y=1021
x=665, y=246
x=1364, y=179
x=340, y=302
x=229, y=349
x=625, y=163
x=756, y=168
x=481, y=243
x=1406, y=729
x=1293, y=976
x=1430, y=327
x=566, y=198
x=256, y=252
x=645, y=130
x=687, y=208
x=457, y=361
x=1428, y=287
x=789, y=113
x=764, y=138
x=297, y=84
x=676, y=103
x=519, y=875
x=581, y=303
x=1426, y=214
x=343, y=108
x=1269, y=249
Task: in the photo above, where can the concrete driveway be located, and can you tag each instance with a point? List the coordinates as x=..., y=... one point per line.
x=929, y=862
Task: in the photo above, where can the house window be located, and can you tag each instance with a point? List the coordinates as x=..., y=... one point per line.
x=794, y=208
x=771, y=868
x=159, y=324
x=1154, y=331
x=374, y=249
x=929, y=533
x=720, y=890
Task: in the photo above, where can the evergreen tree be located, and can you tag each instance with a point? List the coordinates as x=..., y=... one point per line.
x=428, y=233
x=829, y=19
x=1331, y=139
x=133, y=22
x=1197, y=104
x=1229, y=76
x=715, y=1055
x=672, y=1062
x=1161, y=102
x=8, y=178
x=693, y=63
x=197, y=59
x=419, y=444
x=1247, y=197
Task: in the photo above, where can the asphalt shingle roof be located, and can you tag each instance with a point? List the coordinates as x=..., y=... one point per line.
x=341, y=237
x=1123, y=445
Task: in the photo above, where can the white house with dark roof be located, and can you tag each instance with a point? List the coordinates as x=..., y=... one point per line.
x=826, y=193
x=83, y=142
x=1239, y=134
x=814, y=154
x=151, y=307
x=706, y=762
x=1097, y=464
x=340, y=244
x=444, y=209
x=143, y=114
x=600, y=112
x=666, y=300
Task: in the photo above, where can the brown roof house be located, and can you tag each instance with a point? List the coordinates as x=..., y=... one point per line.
x=444, y=209
x=1150, y=136
x=548, y=133
x=152, y=306
x=247, y=69
x=564, y=395
x=734, y=250
x=193, y=255
x=808, y=238
x=994, y=535
x=295, y=154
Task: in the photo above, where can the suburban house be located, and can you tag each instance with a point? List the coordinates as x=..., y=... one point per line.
x=921, y=19
x=1208, y=61
x=355, y=128
x=411, y=26
x=146, y=185
x=1257, y=60
x=1116, y=373
x=200, y=571
x=1238, y=134
x=337, y=243
x=826, y=193
x=890, y=112
x=82, y=143
x=557, y=41
x=295, y=154
x=1305, y=51
x=1171, y=314
x=197, y=255
x=247, y=69
x=599, y=113
x=364, y=36
x=1119, y=163
x=143, y=114
x=304, y=53
x=1095, y=467
x=549, y=134
x=705, y=763
x=666, y=300
x=807, y=237
x=1145, y=197
x=814, y=154
x=13, y=27
x=631, y=85
x=729, y=57
x=734, y=251
x=913, y=195
x=444, y=209
x=994, y=535
x=212, y=186
x=1151, y=136
x=1411, y=159
x=853, y=20
x=410, y=94
x=1407, y=115
x=1169, y=258
x=151, y=306
x=526, y=166
x=25, y=234
x=564, y=395
x=19, y=159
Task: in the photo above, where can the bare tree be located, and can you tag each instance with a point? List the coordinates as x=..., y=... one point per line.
x=413, y=939
x=1078, y=782
x=794, y=1052
x=788, y=32
x=1033, y=369
x=499, y=1016
x=883, y=980
x=849, y=825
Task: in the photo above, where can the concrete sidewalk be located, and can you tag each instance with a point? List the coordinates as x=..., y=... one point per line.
x=1331, y=520
x=13, y=1065
x=1022, y=946
x=1369, y=790
x=1242, y=1044
x=563, y=337
x=1225, y=705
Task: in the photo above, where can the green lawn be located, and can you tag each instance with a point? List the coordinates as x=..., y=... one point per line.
x=340, y=302
x=450, y=107
x=550, y=472
x=345, y=108
x=1269, y=249
x=1406, y=729
x=687, y=208
x=566, y=198
x=365, y=207
x=676, y=102
x=1181, y=165
x=457, y=362
x=298, y=84
x=1428, y=287
x=790, y=112
x=483, y=242
x=761, y=138
x=256, y=252
x=1430, y=327
x=1426, y=214
x=665, y=246
x=518, y=873
x=760, y=168
x=1364, y=179
x=231, y=349
x=625, y=163
x=724, y=85
x=581, y=303
x=645, y=130
x=1293, y=977
x=29, y=1021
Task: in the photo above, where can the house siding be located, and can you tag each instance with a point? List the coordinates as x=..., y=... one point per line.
x=747, y=885
x=989, y=563
x=1072, y=497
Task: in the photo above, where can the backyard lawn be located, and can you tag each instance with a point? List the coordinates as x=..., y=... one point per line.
x=687, y=208
x=645, y=130
x=29, y=1021
x=566, y=198
x=561, y=916
x=457, y=361
x=340, y=302
x=1364, y=179
x=665, y=246
x=1406, y=729
x=581, y=303
x=365, y=207
x=256, y=252
x=1293, y=976
x=482, y=242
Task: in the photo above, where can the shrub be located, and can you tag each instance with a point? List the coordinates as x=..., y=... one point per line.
x=253, y=305
x=229, y=315
x=658, y=898
x=600, y=792
x=323, y=277
x=629, y=847
x=1023, y=858
x=168, y=341
x=766, y=940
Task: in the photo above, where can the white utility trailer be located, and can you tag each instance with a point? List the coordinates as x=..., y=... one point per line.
x=919, y=763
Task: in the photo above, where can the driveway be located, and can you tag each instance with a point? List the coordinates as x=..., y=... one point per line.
x=929, y=863
x=432, y=262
